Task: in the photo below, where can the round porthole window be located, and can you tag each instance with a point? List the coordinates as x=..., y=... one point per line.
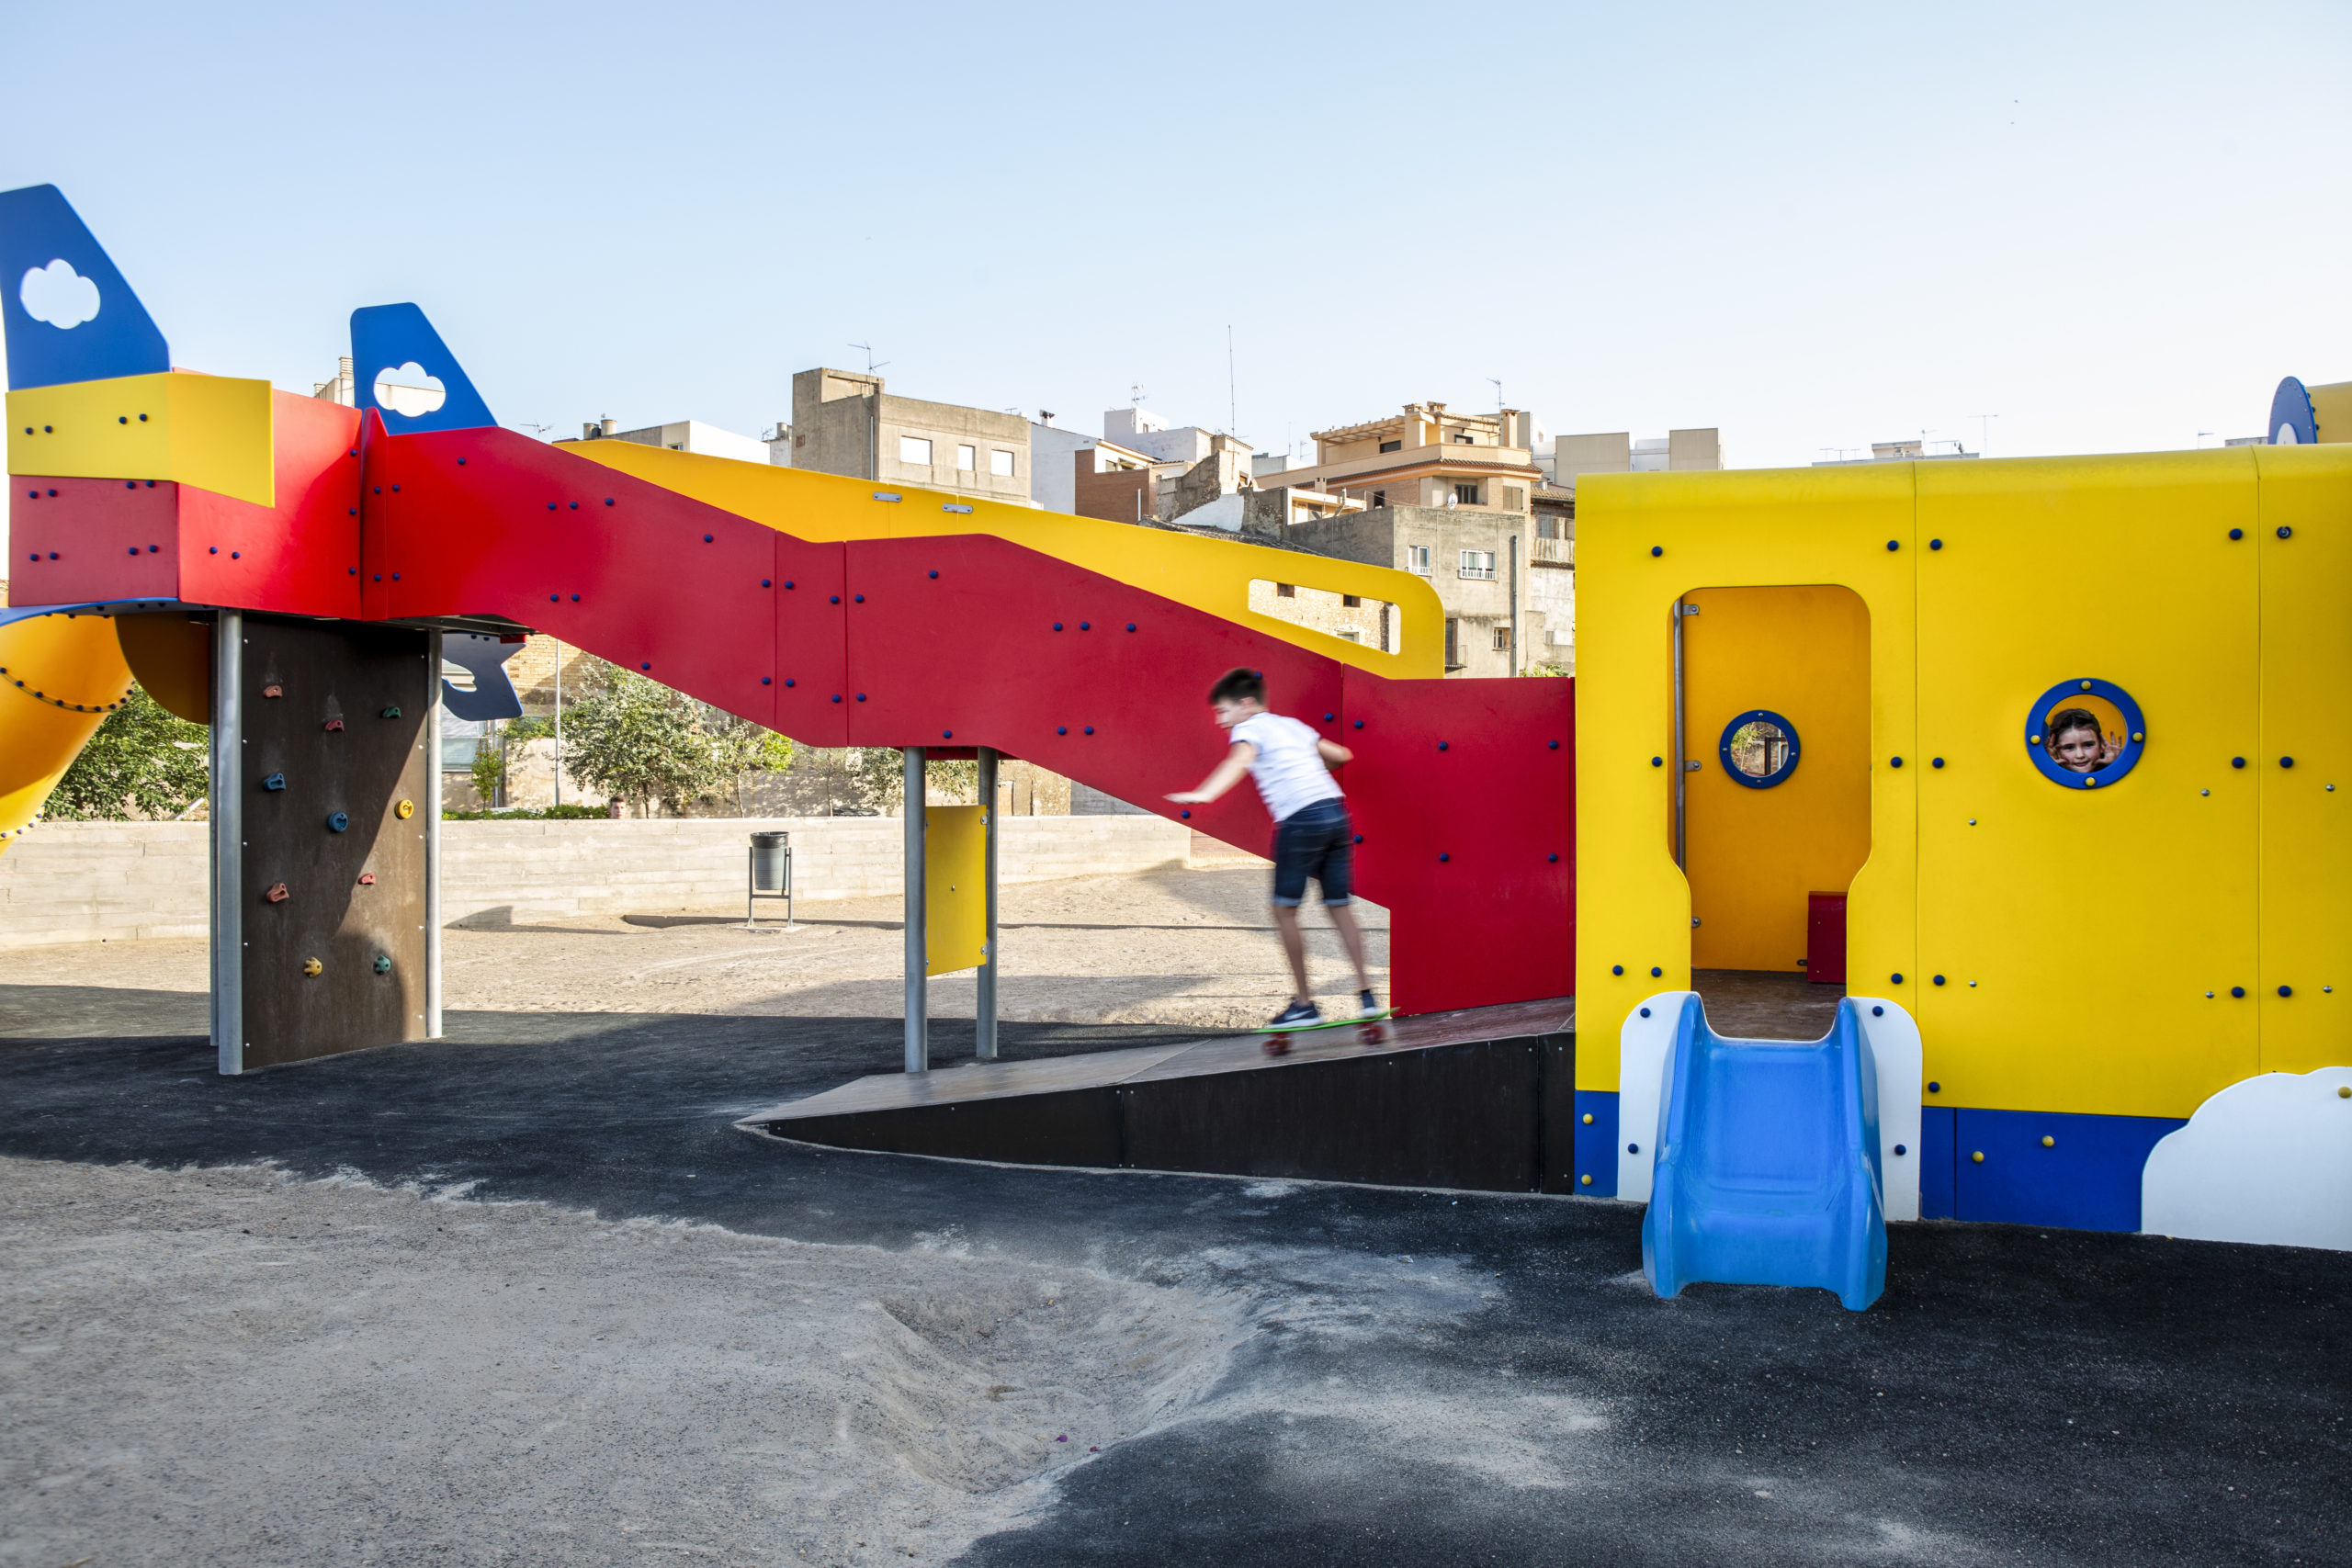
x=2086, y=733
x=1759, y=748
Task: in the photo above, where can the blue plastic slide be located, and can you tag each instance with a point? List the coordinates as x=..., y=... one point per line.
x=1768, y=1163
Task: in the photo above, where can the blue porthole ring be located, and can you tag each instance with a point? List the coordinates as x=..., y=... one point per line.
x=2135, y=732
x=1788, y=764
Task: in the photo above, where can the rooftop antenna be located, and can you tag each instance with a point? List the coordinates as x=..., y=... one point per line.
x=1498, y=392
x=1134, y=393
x=1983, y=430
x=870, y=365
x=539, y=430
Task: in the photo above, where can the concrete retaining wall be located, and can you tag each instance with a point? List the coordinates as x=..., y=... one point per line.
x=118, y=880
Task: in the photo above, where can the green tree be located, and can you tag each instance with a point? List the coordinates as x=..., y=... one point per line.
x=880, y=775
x=489, y=768
x=143, y=762
x=638, y=740
x=741, y=749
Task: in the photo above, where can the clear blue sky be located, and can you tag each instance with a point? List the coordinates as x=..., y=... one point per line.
x=2114, y=226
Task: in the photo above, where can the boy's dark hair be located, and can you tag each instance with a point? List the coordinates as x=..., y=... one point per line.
x=1238, y=685
x=2066, y=719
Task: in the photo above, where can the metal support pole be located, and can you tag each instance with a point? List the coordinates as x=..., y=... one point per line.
x=917, y=958
x=984, y=1012
x=226, y=810
x=1682, y=837
x=433, y=836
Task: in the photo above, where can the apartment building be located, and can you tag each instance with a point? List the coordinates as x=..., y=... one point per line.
x=845, y=422
x=1140, y=471
x=1426, y=456
x=1475, y=557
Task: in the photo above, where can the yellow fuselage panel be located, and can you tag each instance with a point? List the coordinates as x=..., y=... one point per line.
x=2088, y=941
x=213, y=432
x=1212, y=575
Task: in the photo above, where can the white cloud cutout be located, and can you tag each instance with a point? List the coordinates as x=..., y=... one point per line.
x=58, y=295
x=409, y=391
x=2266, y=1159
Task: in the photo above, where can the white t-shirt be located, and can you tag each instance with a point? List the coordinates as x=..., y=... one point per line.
x=1289, y=772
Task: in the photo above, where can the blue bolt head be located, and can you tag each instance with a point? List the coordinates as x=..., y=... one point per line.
x=337, y=822
x=383, y=961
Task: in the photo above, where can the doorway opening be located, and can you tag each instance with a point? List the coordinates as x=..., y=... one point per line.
x=1771, y=814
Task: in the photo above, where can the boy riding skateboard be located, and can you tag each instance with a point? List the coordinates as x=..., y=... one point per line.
x=1313, y=838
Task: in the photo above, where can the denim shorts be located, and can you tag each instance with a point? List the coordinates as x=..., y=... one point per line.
x=1315, y=840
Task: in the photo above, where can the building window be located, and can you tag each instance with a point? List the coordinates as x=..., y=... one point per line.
x=967, y=459
x=1352, y=601
x=1380, y=498
x=1392, y=446
x=1466, y=494
x=1001, y=463
x=1514, y=498
x=1452, y=645
x=1352, y=633
x=914, y=451
x=1462, y=438
x=1479, y=565
x=1417, y=560
x=1547, y=527
x=1286, y=590
x=1502, y=639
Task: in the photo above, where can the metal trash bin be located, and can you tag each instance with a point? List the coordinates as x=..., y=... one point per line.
x=769, y=870
x=771, y=862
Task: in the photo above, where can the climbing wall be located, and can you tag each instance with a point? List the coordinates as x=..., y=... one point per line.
x=333, y=866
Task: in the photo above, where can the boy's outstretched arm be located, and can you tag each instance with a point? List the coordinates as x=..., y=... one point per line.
x=1334, y=755
x=1231, y=771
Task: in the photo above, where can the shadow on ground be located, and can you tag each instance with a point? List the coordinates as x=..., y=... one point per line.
x=1434, y=1378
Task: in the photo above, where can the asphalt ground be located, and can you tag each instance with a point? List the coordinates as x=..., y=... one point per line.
x=1433, y=1378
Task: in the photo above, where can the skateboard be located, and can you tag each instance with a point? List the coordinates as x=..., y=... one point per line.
x=1371, y=1030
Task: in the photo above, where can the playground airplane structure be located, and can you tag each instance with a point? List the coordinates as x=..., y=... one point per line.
x=2086, y=871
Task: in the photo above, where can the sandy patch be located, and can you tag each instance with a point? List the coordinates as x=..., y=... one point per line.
x=223, y=1366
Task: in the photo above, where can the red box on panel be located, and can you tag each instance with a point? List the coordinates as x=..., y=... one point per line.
x=1824, y=938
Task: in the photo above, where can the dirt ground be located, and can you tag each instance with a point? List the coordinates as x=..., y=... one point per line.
x=1192, y=948
x=226, y=1365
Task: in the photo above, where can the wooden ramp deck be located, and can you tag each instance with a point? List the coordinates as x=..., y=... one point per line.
x=1480, y=1098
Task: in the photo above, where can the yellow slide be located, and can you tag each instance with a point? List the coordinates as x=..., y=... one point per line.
x=62, y=675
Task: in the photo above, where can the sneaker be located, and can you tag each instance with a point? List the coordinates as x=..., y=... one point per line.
x=1369, y=1004
x=1296, y=1014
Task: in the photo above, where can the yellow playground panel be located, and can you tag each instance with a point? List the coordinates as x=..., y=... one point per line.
x=213, y=432
x=2124, y=939
x=954, y=880
x=60, y=676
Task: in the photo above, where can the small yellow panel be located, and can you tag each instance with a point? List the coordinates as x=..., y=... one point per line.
x=2078, y=931
x=1212, y=575
x=213, y=432
x=2306, y=714
x=2331, y=411
x=61, y=675
x=1752, y=855
x=954, y=870
x=1643, y=541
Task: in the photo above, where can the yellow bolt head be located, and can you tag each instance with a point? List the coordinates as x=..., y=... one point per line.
x=1587, y=1117
x=404, y=810
x=1978, y=1157
x=1586, y=1179
x=2049, y=1143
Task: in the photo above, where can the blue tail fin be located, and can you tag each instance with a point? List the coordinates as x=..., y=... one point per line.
x=70, y=315
x=406, y=373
